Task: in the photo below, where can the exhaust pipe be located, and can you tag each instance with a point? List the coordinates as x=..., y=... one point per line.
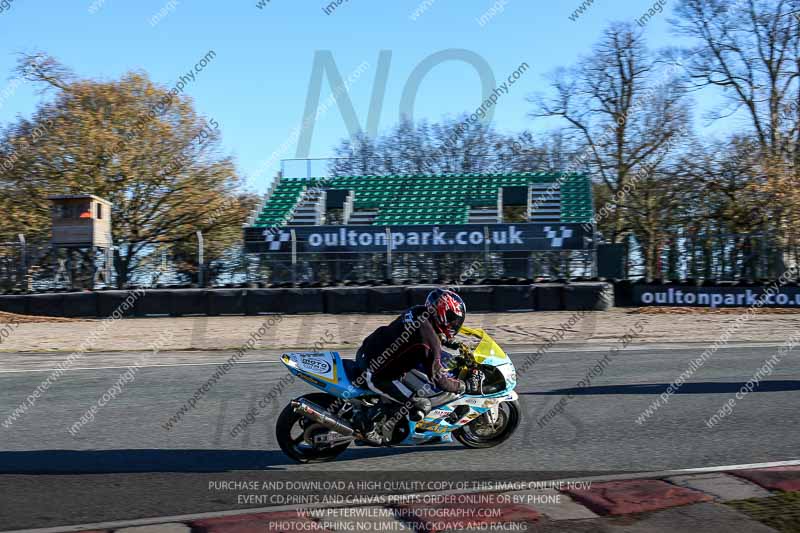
x=322, y=416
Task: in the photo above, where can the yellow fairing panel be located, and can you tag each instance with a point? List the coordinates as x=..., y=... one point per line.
x=486, y=348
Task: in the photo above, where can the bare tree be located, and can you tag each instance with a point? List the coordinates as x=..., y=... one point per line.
x=450, y=146
x=624, y=108
x=750, y=51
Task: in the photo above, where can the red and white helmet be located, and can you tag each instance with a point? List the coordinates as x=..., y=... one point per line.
x=447, y=311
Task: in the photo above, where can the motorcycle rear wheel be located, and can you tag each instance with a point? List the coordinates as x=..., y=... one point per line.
x=297, y=447
x=474, y=434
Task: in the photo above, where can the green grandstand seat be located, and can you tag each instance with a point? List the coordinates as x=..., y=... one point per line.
x=430, y=199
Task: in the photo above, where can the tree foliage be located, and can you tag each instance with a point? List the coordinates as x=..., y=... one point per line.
x=129, y=141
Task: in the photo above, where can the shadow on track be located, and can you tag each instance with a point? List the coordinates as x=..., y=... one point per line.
x=185, y=461
x=703, y=387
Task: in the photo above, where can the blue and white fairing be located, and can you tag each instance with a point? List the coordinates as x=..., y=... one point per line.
x=328, y=372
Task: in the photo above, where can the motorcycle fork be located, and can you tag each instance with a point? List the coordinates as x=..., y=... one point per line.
x=493, y=414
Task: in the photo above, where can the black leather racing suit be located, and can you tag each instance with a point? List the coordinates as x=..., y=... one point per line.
x=408, y=342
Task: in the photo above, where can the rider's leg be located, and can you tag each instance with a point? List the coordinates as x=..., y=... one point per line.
x=398, y=392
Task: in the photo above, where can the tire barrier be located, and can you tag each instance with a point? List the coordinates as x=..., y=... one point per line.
x=549, y=296
x=80, y=304
x=588, y=296
x=215, y=302
x=47, y=305
x=15, y=303
x=189, y=302
x=387, y=299
x=226, y=302
x=623, y=293
x=263, y=301
x=478, y=298
x=513, y=298
x=301, y=301
x=154, y=303
x=417, y=294
x=338, y=301
x=109, y=302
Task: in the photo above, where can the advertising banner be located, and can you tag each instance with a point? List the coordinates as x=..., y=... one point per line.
x=683, y=296
x=444, y=238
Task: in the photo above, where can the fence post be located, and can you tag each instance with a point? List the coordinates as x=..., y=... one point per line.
x=294, y=257
x=200, y=259
x=245, y=264
x=388, y=253
x=23, y=248
x=103, y=274
x=530, y=265
x=486, y=251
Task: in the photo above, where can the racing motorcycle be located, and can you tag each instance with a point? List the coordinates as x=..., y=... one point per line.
x=318, y=427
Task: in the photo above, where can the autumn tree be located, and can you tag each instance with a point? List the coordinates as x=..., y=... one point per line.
x=131, y=141
x=222, y=255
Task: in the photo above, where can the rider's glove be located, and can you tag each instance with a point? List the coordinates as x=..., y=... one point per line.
x=474, y=382
x=465, y=350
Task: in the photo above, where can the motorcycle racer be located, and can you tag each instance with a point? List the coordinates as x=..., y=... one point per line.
x=414, y=340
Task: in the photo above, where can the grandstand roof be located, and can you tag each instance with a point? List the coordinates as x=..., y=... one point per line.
x=426, y=199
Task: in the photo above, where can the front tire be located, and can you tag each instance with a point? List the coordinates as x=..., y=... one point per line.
x=295, y=432
x=480, y=433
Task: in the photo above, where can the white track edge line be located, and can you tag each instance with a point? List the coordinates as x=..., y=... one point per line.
x=518, y=354
x=216, y=363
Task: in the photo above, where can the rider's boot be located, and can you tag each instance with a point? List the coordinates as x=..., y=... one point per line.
x=373, y=437
x=367, y=428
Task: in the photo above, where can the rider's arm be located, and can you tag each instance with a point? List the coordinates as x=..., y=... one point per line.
x=439, y=374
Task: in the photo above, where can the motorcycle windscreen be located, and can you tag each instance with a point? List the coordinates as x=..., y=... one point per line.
x=487, y=348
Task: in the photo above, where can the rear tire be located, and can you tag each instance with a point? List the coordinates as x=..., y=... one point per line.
x=298, y=447
x=469, y=436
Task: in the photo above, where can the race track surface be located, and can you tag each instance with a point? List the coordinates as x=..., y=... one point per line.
x=125, y=464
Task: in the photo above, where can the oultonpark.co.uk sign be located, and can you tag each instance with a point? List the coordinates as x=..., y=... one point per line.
x=455, y=238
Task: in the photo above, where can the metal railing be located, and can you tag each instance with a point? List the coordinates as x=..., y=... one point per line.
x=41, y=267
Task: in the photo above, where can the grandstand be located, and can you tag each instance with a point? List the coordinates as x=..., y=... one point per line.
x=425, y=200
x=423, y=226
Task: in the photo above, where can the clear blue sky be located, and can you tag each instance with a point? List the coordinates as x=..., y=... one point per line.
x=257, y=85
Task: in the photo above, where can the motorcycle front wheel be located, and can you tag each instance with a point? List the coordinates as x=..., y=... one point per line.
x=482, y=433
x=304, y=440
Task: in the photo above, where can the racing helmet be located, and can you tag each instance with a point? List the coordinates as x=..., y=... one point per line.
x=447, y=311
